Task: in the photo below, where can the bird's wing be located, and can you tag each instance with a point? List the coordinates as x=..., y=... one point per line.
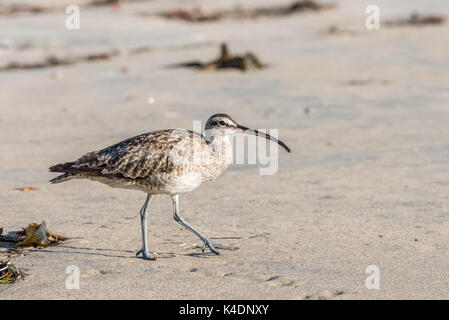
x=144, y=155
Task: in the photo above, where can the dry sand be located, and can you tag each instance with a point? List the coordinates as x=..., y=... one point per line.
x=367, y=182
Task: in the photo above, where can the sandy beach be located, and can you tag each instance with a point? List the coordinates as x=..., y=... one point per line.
x=364, y=111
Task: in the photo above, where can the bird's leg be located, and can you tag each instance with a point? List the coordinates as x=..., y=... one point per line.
x=143, y=220
x=213, y=246
x=179, y=219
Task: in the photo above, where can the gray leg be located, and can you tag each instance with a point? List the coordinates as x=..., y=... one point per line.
x=207, y=242
x=143, y=220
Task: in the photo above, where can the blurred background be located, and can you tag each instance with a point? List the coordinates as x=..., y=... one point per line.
x=365, y=112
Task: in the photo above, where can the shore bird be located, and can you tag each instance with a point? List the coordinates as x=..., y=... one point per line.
x=170, y=162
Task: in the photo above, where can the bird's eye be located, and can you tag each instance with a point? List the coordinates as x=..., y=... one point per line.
x=221, y=123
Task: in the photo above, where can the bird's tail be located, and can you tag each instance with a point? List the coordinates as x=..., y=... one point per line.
x=62, y=167
x=62, y=178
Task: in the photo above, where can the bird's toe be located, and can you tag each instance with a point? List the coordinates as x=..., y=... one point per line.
x=146, y=255
x=149, y=257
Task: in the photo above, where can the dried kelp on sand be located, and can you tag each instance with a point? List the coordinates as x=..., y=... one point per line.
x=34, y=235
x=9, y=273
x=225, y=61
x=198, y=15
x=416, y=19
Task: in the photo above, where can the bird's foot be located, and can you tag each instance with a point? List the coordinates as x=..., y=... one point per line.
x=213, y=246
x=146, y=255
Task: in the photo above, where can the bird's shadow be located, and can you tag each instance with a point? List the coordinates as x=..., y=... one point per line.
x=199, y=254
x=104, y=252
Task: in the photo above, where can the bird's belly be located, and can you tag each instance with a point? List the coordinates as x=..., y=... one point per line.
x=182, y=183
x=159, y=184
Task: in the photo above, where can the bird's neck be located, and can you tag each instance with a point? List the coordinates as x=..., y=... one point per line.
x=221, y=146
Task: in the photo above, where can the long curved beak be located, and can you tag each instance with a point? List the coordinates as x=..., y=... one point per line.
x=254, y=132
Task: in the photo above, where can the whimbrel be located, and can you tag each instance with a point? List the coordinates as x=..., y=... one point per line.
x=171, y=162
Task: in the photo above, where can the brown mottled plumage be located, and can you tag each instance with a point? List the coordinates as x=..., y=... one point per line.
x=154, y=162
x=169, y=161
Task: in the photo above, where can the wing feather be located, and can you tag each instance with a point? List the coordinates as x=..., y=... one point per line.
x=140, y=156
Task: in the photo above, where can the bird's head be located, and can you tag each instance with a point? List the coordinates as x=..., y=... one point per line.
x=224, y=125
